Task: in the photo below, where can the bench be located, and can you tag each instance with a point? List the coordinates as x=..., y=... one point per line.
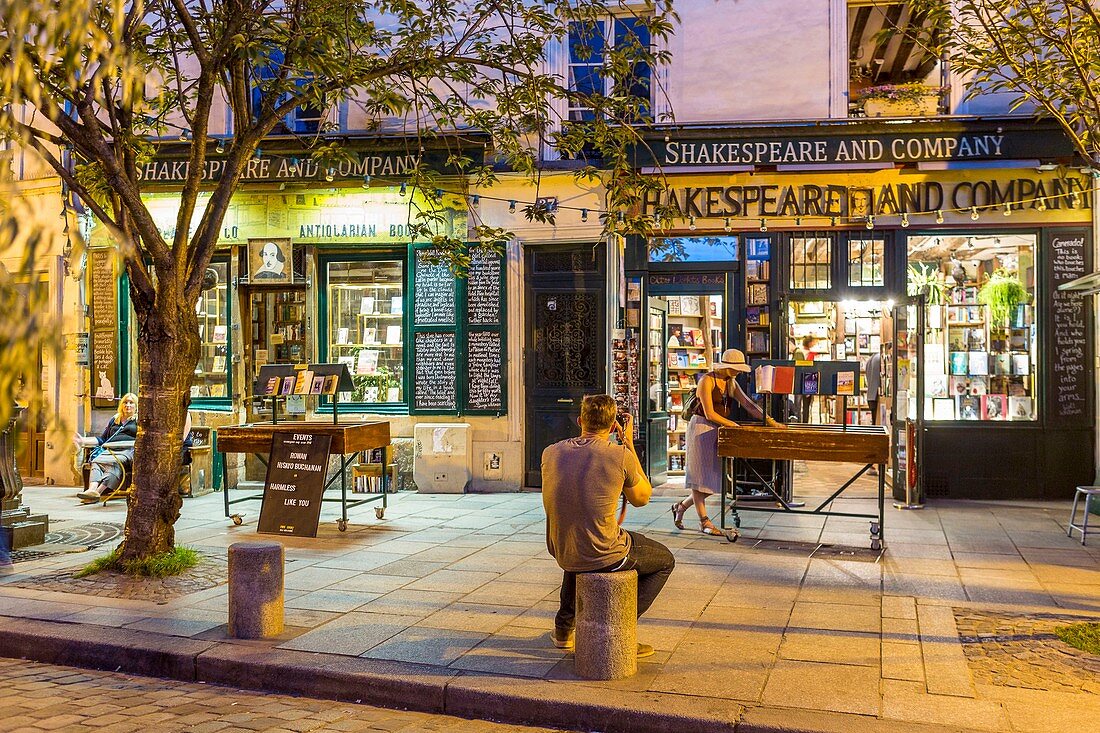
x=607, y=625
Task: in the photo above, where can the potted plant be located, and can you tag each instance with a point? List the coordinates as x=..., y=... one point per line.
x=924, y=277
x=901, y=100
x=1002, y=292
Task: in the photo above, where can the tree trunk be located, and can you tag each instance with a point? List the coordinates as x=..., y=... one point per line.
x=168, y=349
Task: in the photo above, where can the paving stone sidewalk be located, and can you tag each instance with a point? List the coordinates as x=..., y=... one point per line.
x=775, y=623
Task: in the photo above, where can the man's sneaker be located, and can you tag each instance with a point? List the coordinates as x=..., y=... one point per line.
x=564, y=639
x=644, y=650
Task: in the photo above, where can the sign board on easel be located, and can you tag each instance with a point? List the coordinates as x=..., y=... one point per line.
x=295, y=484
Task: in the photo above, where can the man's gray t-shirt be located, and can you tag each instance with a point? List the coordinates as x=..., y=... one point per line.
x=582, y=480
x=874, y=377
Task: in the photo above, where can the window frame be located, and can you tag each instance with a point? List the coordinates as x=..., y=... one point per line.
x=225, y=403
x=609, y=32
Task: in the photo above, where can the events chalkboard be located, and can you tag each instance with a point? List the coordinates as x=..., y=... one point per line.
x=483, y=287
x=484, y=365
x=435, y=373
x=103, y=287
x=295, y=484
x=1068, y=373
x=434, y=290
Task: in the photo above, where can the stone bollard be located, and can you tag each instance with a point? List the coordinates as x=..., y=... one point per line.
x=607, y=625
x=255, y=590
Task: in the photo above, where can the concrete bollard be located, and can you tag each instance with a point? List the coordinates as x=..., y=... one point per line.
x=607, y=625
x=255, y=590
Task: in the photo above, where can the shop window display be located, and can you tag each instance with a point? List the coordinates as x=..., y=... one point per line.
x=366, y=327
x=811, y=263
x=212, y=370
x=980, y=337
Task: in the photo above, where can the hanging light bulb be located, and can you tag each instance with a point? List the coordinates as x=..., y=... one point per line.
x=621, y=217
x=439, y=193
x=798, y=221
x=870, y=222
x=258, y=153
x=511, y=207
x=1008, y=209
x=905, y=220
x=404, y=187
x=220, y=147
x=832, y=221
x=1073, y=199
x=330, y=174
x=691, y=223
x=584, y=214
x=729, y=226
x=939, y=216
x=1042, y=204
x=183, y=136
x=763, y=225
x=974, y=215
x=366, y=181
x=475, y=200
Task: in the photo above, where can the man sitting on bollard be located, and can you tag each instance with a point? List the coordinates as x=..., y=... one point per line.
x=582, y=480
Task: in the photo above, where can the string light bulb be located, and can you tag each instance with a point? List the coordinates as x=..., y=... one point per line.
x=974, y=215
x=691, y=224
x=366, y=181
x=1042, y=205
x=905, y=220
x=183, y=136
x=330, y=174
x=259, y=153
x=584, y=214
x=939, y=216
x=512, y=206
x=439, y=193
x=1008, y=209
x=870, y=221
x=220, y=147
x=798, y=221
x=833, y=221
x=475, y=200
x=729, y=226
x=403, y=189
x=621, y=217
x=763, y=225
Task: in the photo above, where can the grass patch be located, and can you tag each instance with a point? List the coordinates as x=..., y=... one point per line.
x=163, y=565
x=1085, y=637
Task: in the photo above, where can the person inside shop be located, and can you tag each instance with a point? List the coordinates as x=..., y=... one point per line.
x=874, y=389
x=113, y=453
x=583, y=481
x=807, y=352
x=273, y=263
x=716, y=392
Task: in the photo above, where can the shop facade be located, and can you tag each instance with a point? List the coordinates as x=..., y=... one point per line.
x=861, y=241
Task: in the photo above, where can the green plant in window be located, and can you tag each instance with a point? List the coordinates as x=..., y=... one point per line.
x=925, y=278
x=1002, y=292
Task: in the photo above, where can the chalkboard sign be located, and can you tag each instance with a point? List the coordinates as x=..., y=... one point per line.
x=295, y=484
x=103, y=284
x=435, y=372
x=434, y=290
x=483, y=287
x=1068, y=367
x=484, y=366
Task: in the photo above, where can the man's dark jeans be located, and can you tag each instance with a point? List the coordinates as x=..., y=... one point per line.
x=650, y=558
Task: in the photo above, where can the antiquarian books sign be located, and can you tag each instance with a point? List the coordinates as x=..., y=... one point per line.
x=295, y=484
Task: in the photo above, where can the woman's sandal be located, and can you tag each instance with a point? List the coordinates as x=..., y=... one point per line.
x=707, y=527
x=678, y=515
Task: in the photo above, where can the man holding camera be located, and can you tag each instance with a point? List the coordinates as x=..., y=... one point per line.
x=582, y=481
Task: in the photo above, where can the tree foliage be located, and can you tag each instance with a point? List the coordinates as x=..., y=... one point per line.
x=107, y=79
x=1043, y=52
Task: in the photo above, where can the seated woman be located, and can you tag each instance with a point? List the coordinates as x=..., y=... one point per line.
x=110, y=464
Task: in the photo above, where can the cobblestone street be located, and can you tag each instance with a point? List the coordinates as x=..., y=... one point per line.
x=43, y=697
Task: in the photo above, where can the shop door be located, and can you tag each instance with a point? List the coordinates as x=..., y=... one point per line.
x=30, y=441
x=565, y=352
x=657, y=391
x=275, y=333
x=905, y=367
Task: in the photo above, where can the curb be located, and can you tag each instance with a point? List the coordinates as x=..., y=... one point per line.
x=425, y=688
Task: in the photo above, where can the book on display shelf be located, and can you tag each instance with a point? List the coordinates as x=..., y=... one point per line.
x=846, y=383
x=303, y=381
x=317, y=384
x=970, y=407
x=978, y=385
x=272, y=386
x=994, y=406
x=811, y=382
x=689, y=306
x=1001, y=364
x=943, y=408
x=764, y=379
x=366, y=305
x=341, y=336
x=674, y=306
x=1020, y=408
x=288, y=385
x=332, y=381
x=783, y=382
x=959, y=363
x=393, y=334
x=1021, y=364
x=978, y=362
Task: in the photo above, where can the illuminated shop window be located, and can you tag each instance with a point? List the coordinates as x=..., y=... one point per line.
x=865, y=260
x=211, y=380
x=811, y=263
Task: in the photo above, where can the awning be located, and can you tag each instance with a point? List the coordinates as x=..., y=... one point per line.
x=1088, y=284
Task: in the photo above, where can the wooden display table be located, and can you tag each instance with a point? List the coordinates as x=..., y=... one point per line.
x=348, y=440
x=868, y=445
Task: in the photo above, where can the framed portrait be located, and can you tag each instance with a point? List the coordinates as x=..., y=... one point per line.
x=810, y=308
x=270, y=261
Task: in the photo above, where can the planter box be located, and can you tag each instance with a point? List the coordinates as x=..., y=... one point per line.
x=925, y=107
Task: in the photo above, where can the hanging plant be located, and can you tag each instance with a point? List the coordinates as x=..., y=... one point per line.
x=1002, y=292
x=924, y=277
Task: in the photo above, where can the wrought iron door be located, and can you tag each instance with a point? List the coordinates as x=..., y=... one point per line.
x=566, y=349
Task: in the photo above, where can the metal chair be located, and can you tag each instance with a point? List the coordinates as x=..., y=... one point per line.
x=1083, y=528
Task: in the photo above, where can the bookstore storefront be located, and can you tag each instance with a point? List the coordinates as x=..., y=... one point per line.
x=947, y=277
x=328, y=275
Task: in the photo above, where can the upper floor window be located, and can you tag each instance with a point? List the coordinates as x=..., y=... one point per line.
x=589, y=70
x=306, y=118
x=891, y=72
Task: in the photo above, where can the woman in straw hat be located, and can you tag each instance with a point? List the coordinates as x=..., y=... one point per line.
x=715, y=392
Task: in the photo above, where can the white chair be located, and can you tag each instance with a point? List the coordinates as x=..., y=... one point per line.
x=1088, y=492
